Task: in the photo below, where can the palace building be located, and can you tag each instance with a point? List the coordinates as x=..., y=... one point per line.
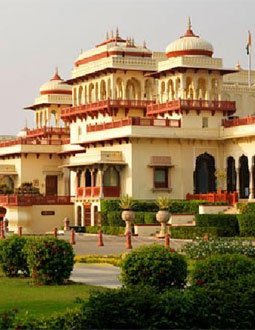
x=131, y=121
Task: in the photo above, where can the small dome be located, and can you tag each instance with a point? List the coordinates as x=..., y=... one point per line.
x=55, y=86
x=189, y=44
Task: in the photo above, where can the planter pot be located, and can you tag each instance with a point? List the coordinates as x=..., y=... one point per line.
x=128, y=216
x=162, y=217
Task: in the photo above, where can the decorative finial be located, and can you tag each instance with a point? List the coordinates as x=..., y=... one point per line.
x=117, y=32
x=56, y=70
x=111, y=36
x=107, y=35
x=26, y=123
x=238, y=66
x=189, y=23
x=56, y=75
x=144, y=44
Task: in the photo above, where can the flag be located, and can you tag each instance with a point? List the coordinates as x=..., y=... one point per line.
x=248, y=47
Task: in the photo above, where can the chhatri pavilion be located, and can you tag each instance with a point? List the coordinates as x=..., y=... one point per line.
x=131, y=121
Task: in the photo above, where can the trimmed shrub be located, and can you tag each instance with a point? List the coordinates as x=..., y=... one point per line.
x=192, y=232
x=78, y=229
x=12, y=258
x=226, y=224
x=150, y=217
x=114, y=219
x=139, y=217
x=246, y=208
x=246, y=224
x=154, y=266
x=201, y=249
x=108, y=230
x=109, y=205
x=222, y=268
x=50, y=260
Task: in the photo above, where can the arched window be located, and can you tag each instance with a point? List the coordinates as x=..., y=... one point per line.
x=231, y=175
x=111, y=177
x=88, y=181
x=189, y=88
x=201, y=91
x=204, y=175
x=91, y=93
x=170, y=89
x=80, y=95
x=133, y=89
x=148, y=90
x=74, y=97
x=102, y=90
x=244, y=177
x=119, y=89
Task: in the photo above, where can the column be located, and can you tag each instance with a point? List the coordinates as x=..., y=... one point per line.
x=251, y=188
x=101, y=175
x=238, y=180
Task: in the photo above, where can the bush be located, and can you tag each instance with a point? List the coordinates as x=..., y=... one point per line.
x=246, y=208
x=246, y=224
x=50, y=260
x=201, y=249
x=114, y=219
x=113, y=259
x=150, y=217
x=139, y=217
x=226, y=224
x=12, y=258
x=154, y=266
x=192, y=232
x=78, y=229
x=108, y=230
x=222, y=268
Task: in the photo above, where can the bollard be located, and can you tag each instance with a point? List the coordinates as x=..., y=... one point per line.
x=2, y=233
x=66, y=224
x=6, y=224
x=20, y=231
x=128, y=240
x=55, y=232
x=167, y=240
x=100, y=238
x=72, y=237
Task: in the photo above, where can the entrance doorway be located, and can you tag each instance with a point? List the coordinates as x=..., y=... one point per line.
x=87, y=214
x=204, y=175
x=244, y=177
x=51, y=185
x=231, y=175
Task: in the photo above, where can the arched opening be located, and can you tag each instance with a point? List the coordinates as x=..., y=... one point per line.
x=80, y=95
x=119, y=89
x=88, y=181
x=231, y=175
x=91, y=93
x=7, y=183
x=95, y=215
x=163, y=90
x=201, y=90
x=79, y=216
x=177, y=87
x=133, y=89
x=102, y=90
x=85, y=95
x=111, y=178
x=148, y=89
x=215, y=89
x=53, y=118
x=204, y=175
x=189, y=88
x=244, y=177
x=109, y=88
x=79, y=175
x=41, y=119
x=170, y=89
x=96, y=93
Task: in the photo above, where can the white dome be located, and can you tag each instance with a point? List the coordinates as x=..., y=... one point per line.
x=189, y=44
x=55, y=86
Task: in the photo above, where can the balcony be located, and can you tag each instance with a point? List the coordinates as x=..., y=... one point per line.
x=249, y=120
x=29, y=200
x=47, y=131
x=135, y=121
x=177, y=106
x=105, y=107
x=87, y=192
x=21, y=141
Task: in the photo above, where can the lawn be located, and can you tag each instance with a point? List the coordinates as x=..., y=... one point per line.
x=39, y=300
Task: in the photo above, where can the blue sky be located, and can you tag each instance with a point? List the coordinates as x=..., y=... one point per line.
x=38, y=35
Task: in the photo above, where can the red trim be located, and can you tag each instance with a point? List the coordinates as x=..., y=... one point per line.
x=28, y=200
x=118, y=39
x=189, y=52
x=249, y=120
x=58, y=91
x=107, y=54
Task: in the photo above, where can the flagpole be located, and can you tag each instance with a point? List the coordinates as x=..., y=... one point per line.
x=249, y=71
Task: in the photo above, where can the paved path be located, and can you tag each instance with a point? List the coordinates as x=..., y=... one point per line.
x=97, y=274
x=87, y=243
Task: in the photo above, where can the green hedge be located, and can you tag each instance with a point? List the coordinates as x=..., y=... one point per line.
x=246, y=224
x=192, y=232
x=226, y=224
x=246, y=208
x=108, y=230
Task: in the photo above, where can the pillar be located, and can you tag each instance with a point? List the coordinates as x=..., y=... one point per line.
x=251, y=188
x=238, y=180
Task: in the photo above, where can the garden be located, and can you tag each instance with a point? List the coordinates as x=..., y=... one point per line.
x=209, y=283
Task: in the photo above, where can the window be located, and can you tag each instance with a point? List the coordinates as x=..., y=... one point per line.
x=204, y=122
x=161, y=177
